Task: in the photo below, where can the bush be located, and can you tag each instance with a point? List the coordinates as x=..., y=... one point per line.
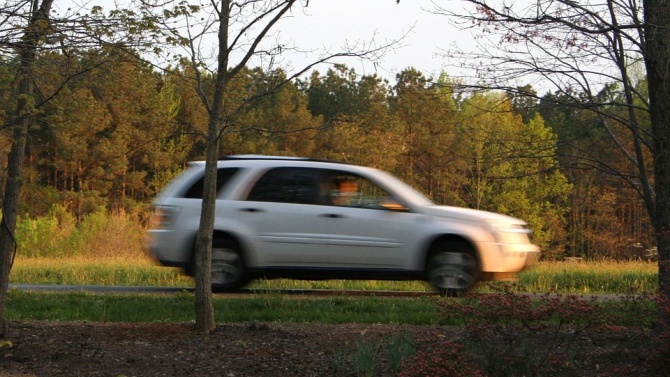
x=46, y=236
x=98, y=235
x=509, y=334
x=658, y=363
x=103, y=235
x=440, y=358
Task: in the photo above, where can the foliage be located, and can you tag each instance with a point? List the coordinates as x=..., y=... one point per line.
x=606, y=218
x=437, y=357
x=98, y=235
x=510, y=167
x=399, y=348
x=48, y=235
x=365, y=359
x=657, y=361
x=395, y=348
x=501, y=326
x=426, y=118
x=516, y=335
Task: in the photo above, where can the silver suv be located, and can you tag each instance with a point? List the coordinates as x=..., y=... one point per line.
x=308, y=219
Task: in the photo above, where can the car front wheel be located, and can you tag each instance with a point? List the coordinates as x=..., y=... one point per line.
x=452, y=268
x=227, y=265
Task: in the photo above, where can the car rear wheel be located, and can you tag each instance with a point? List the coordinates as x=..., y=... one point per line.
x=452, y=268
x=227, y=265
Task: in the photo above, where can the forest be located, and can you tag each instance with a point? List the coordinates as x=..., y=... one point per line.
x=117, y=130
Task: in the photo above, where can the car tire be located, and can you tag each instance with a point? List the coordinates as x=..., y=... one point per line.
x=452, y=268
x=228, y=270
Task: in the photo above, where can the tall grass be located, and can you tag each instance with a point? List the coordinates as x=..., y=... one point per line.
x=569, y=278
x=592, y=277
x=138, y=271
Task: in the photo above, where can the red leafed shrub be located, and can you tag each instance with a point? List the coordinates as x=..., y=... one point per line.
x=506, y=334
x=511, y=334
x=658, y=360
x=440, y=358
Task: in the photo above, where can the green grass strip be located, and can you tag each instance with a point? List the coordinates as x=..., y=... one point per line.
x=25, y=305
x=78, y=306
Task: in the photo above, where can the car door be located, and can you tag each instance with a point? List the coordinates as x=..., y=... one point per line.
x=283, y=214
x=362, y=231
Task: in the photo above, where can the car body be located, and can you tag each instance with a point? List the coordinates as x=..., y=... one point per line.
x=309, y=219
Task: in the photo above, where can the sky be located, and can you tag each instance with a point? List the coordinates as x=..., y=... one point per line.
x=332, y=23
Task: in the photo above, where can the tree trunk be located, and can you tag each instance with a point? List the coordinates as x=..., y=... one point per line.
x=204, y=308
x=11, y=201
x=657, y=51
x=37, y=27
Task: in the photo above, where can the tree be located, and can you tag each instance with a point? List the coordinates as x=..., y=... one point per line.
x=578, y=49
x=27, y=30
x=241, y=29
x=657, y=57
x=427, y=115
x=510, y=167
x=608, y=217
x=358, y=128
x=101, y=140
x=335, y=95
x=279, y=123
x=37, y=28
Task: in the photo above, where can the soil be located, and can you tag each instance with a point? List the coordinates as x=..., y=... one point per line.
x=259, y=349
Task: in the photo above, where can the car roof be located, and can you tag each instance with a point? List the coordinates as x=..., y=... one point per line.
x=262, y=162
x=261, y=157
x=253, y=160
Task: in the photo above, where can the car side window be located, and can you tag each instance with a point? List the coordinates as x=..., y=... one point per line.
x=223, y=176
x=287, y=185
x=350, y=190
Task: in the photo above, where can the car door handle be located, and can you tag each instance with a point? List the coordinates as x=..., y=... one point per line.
x=333, y=216
x=251, y=209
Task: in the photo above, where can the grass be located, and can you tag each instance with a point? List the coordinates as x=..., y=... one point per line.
x=267, y=307
x=24, y=305
x=560, y=277
x=609, y=277
x=122, y=271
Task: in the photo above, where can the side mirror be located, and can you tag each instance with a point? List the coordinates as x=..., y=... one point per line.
x=392, y=205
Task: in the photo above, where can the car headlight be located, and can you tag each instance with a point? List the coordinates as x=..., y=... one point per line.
x=511, y=233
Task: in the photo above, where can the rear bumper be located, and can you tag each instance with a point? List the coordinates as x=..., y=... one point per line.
x=171, y=248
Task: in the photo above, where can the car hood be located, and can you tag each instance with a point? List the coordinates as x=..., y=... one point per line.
x=469, y=214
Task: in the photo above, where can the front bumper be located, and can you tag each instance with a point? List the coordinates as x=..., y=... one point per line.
x=506, y=258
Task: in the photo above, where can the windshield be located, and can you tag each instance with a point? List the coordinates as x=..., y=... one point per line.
x=403, y=190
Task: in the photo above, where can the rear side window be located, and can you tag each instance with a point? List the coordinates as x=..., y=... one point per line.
x=286, y=185
x=223, y=176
